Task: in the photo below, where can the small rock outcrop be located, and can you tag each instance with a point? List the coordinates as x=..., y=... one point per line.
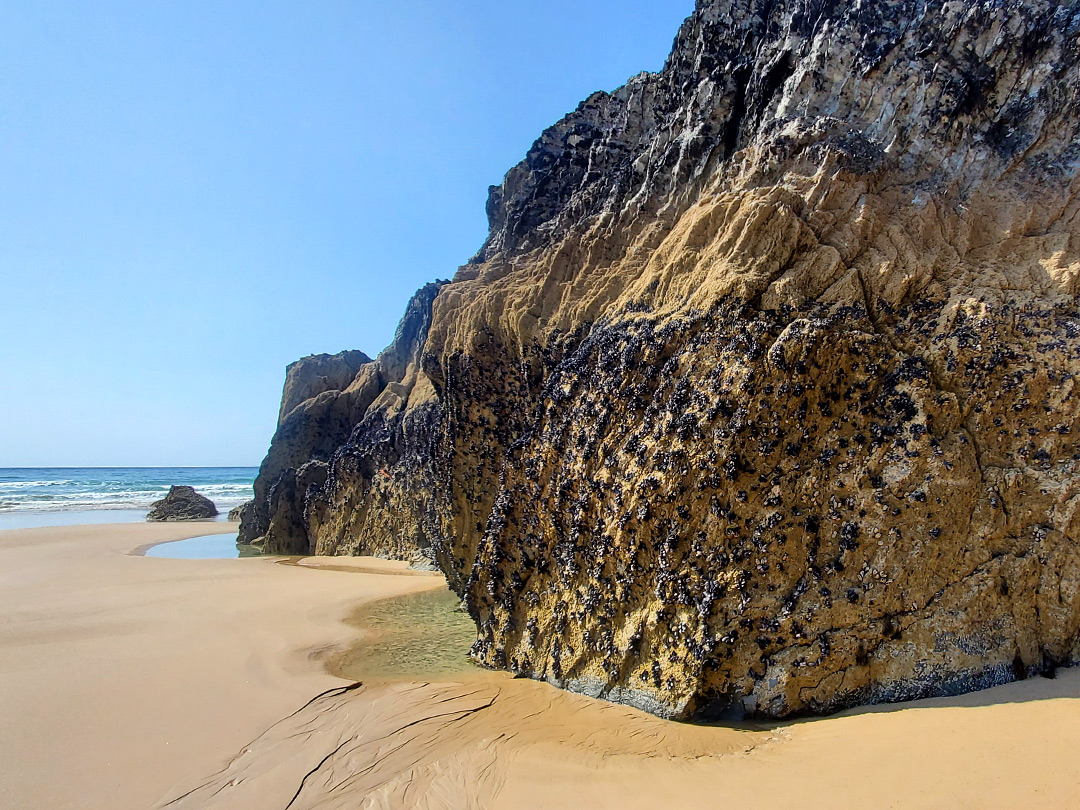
x=316, y=374
x=761, y=396
x=236, y=514
x=182, y=503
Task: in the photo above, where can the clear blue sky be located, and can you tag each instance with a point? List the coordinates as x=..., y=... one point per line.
x=194, y=194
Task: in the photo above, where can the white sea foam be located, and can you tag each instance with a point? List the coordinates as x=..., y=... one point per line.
x=120, y=488
x=17, y=485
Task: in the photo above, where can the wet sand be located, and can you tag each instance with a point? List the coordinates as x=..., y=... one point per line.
x=134, y=682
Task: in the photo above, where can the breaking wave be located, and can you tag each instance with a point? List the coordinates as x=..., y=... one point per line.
x=67, y=489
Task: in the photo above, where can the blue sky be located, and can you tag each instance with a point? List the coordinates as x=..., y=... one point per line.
x=194, y=194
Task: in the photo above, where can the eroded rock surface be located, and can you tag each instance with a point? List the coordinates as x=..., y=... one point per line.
x=761, y=396
x=332, y=403
x=314, y=375
x=182, y=503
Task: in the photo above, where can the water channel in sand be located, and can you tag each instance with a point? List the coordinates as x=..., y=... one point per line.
x=418, y=636
x=207, y=547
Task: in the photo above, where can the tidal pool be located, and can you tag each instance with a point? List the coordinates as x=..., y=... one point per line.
x=207, y=547
x=420, y=635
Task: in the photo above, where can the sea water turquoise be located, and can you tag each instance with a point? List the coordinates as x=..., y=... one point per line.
x=59, y=496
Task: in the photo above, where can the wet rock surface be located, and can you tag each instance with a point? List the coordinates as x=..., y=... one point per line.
x=760, y=399
x=182, y=503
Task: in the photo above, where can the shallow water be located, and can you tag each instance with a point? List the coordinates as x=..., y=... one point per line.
x=208, y=547
x=416, y=636
x=40, y=520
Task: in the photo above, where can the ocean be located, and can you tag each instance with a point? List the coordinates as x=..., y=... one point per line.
x=58, y=496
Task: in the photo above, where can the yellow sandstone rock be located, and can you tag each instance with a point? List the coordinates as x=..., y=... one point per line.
x=761, y=396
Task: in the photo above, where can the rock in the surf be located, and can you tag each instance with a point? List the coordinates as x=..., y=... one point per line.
x=182, y=503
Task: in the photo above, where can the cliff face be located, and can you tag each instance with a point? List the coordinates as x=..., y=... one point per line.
x=331, y=403
x=760, y=397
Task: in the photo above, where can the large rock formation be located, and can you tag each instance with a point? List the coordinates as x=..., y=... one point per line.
x=182, y=503
x=327, y=400
x=761, y=395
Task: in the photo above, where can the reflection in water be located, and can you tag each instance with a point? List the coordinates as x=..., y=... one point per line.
x=419, y=635
x=208, y=547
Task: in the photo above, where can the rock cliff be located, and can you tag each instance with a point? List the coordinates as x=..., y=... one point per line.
x=761, y=396
x=331, y=403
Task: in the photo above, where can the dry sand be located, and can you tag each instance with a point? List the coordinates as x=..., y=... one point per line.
x=121, y=675
x=128, y=682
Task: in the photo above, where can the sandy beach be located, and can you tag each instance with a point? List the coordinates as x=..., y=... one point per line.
x=130, y=682
x=121, y=675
